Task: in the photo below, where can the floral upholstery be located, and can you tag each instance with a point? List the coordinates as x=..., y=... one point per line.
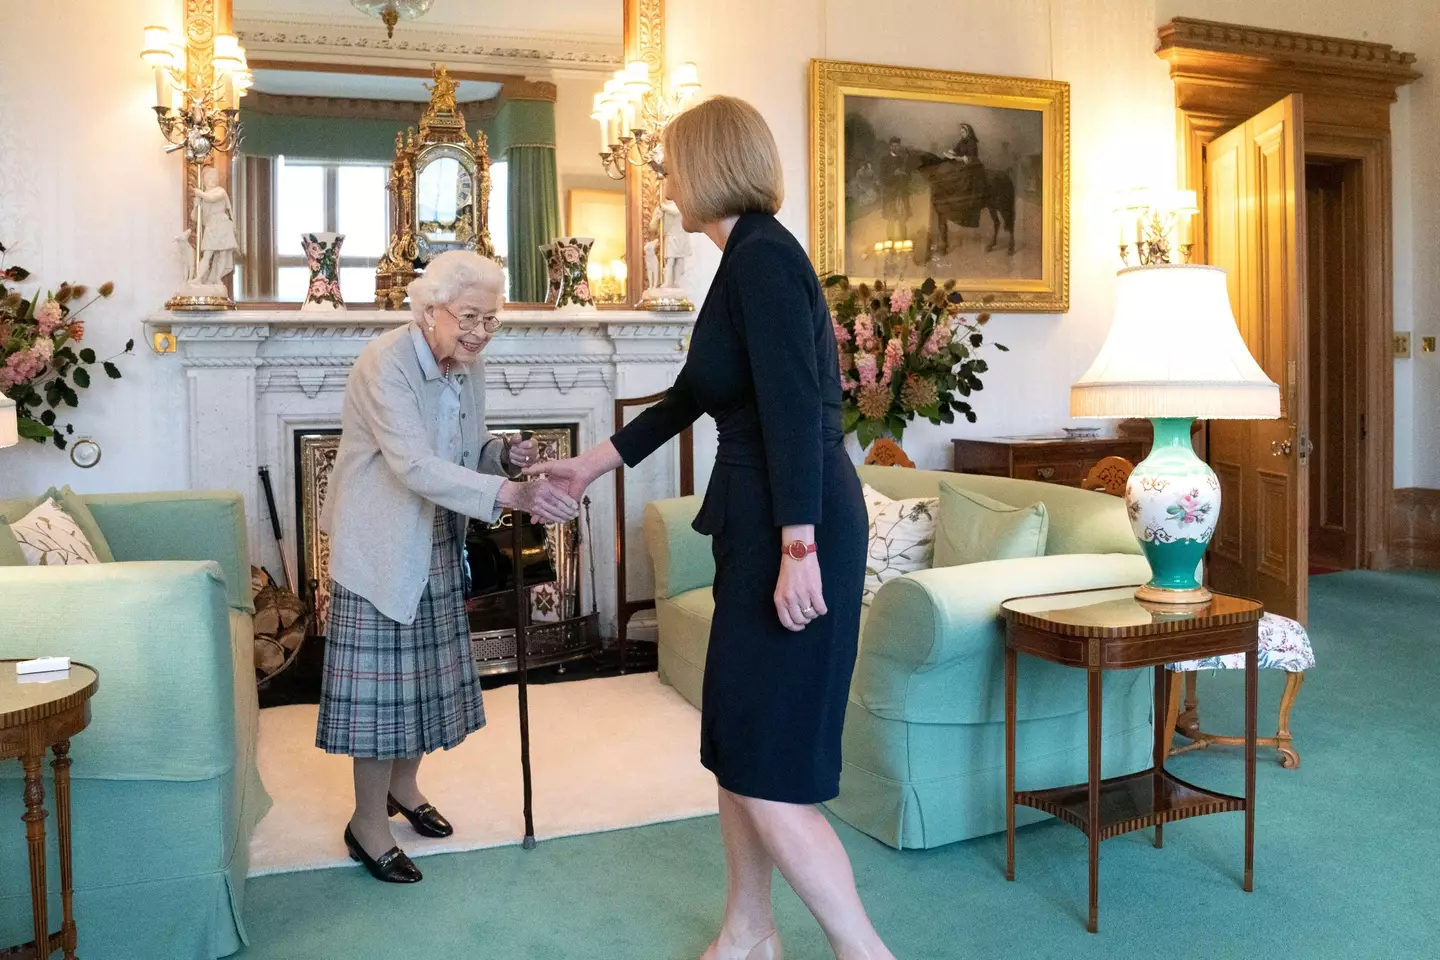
x=1284, y=645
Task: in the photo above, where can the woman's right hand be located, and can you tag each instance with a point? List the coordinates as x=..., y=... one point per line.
x=543, y=500
x=577, y=473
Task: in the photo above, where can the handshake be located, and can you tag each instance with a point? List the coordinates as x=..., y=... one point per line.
x=554, y=497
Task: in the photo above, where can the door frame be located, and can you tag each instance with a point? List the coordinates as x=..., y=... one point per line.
x=1224, y=74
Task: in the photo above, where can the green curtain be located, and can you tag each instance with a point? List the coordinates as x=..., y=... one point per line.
x=533, y=205
x=319, y=138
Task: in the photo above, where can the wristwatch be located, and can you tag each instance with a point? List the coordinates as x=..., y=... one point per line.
x=798, y=549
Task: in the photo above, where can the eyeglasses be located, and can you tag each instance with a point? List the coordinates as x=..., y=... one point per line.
x=470, y=321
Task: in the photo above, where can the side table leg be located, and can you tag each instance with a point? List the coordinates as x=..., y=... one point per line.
x=35, y=835
x=1161, y=712
x=1094, y=695
x=1009, y=763
x=1252, y=686
x=61, y=764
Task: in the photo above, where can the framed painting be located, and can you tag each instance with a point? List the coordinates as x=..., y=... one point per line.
x=931, y=173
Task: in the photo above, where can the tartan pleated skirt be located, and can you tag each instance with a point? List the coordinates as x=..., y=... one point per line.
x=392, y=690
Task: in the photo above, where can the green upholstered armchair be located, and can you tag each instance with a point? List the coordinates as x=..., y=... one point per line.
x=165, y=790
x=924, y=741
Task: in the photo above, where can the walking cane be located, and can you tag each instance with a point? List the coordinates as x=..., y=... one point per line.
x=521, y=667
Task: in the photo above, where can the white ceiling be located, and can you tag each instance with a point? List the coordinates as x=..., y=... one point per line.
x=362, y=86
x=598, y=18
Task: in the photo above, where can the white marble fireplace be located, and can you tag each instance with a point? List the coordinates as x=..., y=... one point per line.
x=256, y=377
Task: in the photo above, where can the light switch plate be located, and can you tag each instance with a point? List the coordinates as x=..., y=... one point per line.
x=1402, y=346
x=1427, y=344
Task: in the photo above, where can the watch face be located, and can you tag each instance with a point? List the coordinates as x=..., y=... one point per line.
x=85, y=453
x=796, y=550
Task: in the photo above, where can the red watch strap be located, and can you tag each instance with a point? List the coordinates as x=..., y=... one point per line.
x=799, y=549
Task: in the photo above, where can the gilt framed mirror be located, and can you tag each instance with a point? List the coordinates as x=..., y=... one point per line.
x=331, y=92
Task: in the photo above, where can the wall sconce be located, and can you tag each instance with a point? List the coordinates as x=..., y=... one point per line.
x=607, y=284
x=632, y=112
x=1158, y=221
x=197, y=104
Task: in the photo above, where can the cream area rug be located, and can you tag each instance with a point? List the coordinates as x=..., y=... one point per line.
x=606, y=754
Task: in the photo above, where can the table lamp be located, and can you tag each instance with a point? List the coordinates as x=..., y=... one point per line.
x=1174, y=353
x=9, y=423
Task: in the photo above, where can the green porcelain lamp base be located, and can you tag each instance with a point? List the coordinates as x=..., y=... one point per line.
x=1173, y=498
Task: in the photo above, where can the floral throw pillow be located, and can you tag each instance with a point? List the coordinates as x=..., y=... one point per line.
x=50, y=537
x=902, y=538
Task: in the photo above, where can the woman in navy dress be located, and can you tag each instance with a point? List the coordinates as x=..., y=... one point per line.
x=789, y=530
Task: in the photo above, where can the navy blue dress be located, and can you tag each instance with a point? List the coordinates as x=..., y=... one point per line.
x=763, y=363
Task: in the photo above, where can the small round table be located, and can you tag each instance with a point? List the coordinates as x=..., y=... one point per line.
x=1099, y=630
x=38, y=715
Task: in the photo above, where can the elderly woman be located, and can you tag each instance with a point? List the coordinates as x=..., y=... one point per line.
x=788, y=524
x=415, y=461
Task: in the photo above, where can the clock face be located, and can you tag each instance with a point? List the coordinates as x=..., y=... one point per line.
x=85, y=453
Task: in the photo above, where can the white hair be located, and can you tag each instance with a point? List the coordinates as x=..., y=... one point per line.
x=451, y=274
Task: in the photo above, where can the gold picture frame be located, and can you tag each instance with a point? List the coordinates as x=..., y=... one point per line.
x=884, y=137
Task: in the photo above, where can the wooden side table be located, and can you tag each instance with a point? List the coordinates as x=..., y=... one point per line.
x=36, y=717
x=1100, y=630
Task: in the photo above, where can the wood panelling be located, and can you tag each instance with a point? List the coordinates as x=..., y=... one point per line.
x=1416, y=526
x=1335, y=238
x=1225, y=73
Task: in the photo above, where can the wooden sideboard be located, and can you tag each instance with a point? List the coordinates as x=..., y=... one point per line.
x=1048, y=459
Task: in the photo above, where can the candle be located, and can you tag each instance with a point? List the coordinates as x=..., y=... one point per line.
x=619, y=271
x=628, y=113
x=162, y=88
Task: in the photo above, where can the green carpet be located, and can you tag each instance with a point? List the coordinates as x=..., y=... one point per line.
x=1346, y=863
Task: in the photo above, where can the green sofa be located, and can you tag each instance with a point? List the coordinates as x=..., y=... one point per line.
x=166, y=791
x=924, y=740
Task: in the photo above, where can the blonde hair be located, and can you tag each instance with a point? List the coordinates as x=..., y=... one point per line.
x=722, y=161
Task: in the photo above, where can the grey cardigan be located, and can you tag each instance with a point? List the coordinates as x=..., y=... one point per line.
x=388, y=477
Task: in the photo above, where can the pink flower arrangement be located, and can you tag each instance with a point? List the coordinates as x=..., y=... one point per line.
x=912, y=353
x=41, y=369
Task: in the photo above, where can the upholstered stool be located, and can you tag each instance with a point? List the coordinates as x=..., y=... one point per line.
x=1284, y=645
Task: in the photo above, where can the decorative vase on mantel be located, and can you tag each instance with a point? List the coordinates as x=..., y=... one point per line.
x=322, y=252
x=570, y=257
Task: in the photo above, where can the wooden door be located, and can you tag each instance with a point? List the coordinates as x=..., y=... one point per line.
x=1335, y=282
x=1255, y=229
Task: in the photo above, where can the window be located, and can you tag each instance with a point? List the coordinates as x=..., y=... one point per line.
x=316, y=197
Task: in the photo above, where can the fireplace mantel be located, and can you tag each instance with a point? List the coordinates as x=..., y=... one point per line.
x=254, y=377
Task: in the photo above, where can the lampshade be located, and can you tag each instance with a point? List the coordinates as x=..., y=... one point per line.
x=9, y=423
x=1174, y=351
x=157, y=50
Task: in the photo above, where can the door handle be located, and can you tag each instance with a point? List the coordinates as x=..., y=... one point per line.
x=1280, y=448
x=1306, y=448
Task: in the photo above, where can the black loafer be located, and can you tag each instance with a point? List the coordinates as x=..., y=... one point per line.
x=427, y=821
x=392, y=866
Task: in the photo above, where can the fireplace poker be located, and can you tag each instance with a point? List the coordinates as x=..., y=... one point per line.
x=522, y=669
x=290, y=583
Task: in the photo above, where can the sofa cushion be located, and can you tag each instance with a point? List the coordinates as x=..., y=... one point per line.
x=974, y=528
x=902, y=538
x=75, y=508
x=50, y=537
x=1080, y=521
x=10, y=553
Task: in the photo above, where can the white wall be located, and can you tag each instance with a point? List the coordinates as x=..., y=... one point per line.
x=1123, y=134
x=87, y=194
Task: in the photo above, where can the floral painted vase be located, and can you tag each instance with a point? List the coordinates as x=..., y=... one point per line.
x=570, y=257
x=322, y=252
x=1173, y=498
